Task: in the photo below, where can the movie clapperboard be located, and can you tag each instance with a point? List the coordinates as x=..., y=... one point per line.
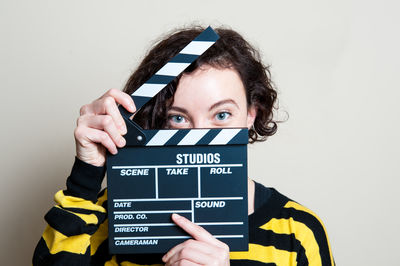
x=200, y=174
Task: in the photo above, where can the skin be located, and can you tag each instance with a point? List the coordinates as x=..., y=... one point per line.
x=206, y=98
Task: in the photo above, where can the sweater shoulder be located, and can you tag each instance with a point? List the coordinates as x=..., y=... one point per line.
x=284, y=217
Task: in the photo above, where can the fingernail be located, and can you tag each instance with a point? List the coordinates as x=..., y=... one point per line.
x=122, y=141
x=175, y=216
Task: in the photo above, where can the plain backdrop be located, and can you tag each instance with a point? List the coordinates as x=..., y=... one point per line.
x=334, y=63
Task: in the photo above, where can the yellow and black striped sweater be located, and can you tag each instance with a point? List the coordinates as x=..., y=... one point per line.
x=281, y=231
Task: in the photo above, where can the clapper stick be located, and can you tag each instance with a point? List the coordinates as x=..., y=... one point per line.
x=162, y=78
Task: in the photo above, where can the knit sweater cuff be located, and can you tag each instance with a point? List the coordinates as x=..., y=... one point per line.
x=85, y=180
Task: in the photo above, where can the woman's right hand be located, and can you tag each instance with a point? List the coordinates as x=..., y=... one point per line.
x=100, y=126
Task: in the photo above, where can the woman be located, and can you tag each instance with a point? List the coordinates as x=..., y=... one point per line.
x=228, y=86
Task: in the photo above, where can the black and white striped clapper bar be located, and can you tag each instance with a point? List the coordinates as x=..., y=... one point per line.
x=198, y=173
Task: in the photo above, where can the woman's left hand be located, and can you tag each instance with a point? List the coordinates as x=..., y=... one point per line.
x=203, y=249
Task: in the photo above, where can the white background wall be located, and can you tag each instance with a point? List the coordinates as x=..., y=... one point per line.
x=335, y=63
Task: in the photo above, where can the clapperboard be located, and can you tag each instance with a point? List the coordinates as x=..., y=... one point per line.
x=200, y=174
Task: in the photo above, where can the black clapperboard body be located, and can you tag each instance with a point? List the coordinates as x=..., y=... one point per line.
x=200, y=174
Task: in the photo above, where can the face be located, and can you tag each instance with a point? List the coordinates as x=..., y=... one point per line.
x=210, y=98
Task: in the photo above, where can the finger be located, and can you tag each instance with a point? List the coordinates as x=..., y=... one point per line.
x=183, y=263
x=108, y=106
x=200, y=253
x=86, y=109
x=103, y=122
x=122, y=98
x=191, y=245
x=196, y=231
x=88, y=135
x=118, y=96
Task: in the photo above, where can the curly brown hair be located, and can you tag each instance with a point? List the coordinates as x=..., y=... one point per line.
x=230, y=51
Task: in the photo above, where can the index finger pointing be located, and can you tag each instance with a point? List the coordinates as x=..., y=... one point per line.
x=196, y=231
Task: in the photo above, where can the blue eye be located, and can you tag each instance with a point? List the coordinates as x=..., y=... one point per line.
x=222, y=116
x=177, y=119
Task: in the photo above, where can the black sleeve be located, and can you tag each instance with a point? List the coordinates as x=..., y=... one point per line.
x=77, y=215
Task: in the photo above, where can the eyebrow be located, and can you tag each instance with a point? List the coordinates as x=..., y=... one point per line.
x=215, y=105
x=178, y=109
x=227, y=101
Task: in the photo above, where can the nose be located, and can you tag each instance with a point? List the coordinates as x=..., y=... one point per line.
x=200, y=122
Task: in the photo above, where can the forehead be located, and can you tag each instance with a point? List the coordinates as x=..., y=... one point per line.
x=207, y=82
